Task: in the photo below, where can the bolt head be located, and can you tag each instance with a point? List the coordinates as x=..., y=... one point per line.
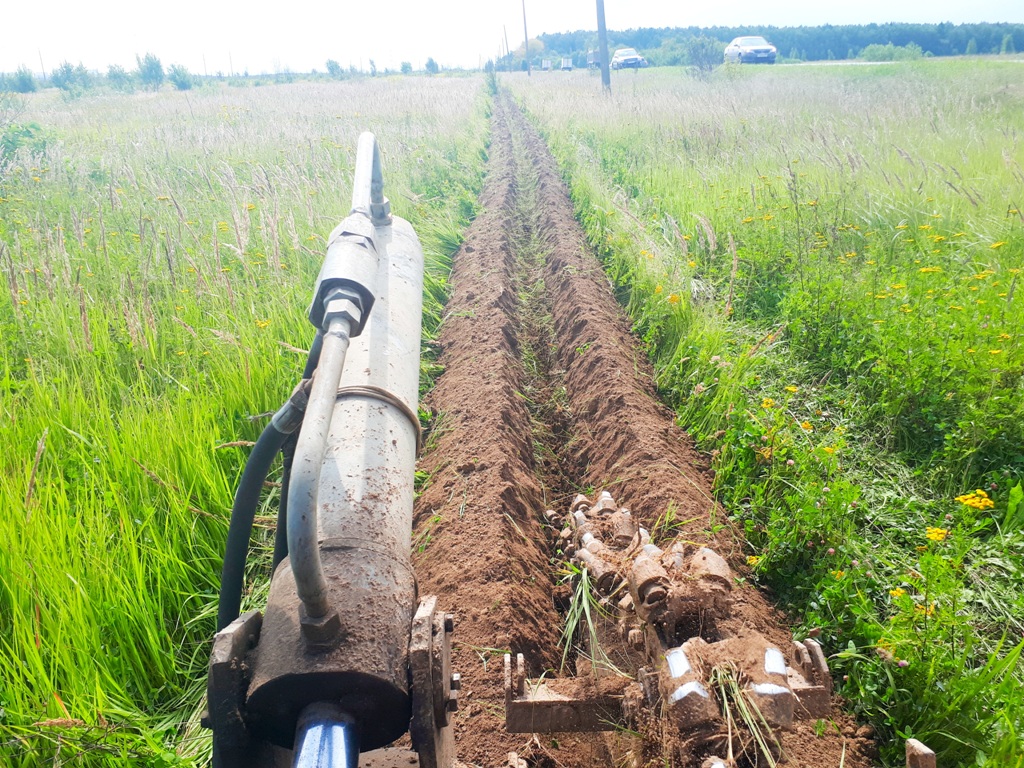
x=456, y=683
x=343, y=308
x=449, y=622
x=320, y=632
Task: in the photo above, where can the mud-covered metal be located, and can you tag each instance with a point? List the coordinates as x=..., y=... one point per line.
x=338, y=631
x=670, y=604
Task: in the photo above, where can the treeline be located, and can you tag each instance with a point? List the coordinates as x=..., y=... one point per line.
x=75, y=80
x=806, y=43
x=150, y=75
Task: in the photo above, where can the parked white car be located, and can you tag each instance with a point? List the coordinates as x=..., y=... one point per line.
x=751, y=50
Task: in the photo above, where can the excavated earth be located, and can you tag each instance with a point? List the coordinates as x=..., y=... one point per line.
x=545, y=394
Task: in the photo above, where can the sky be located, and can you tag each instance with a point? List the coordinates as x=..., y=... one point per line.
x=260, y=36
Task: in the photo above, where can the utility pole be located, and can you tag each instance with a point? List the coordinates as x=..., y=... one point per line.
x=508, y=53
x=526, y=42
x=602, y=47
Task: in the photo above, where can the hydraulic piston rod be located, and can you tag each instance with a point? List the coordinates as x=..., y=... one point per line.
x=326, y=738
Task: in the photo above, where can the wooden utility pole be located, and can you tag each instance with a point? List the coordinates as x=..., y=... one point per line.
x=602, y=47
x=526, y=42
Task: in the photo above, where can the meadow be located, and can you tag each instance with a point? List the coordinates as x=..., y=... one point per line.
x=159, y=253
x=825, y=263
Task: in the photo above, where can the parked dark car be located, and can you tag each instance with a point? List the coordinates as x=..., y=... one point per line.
x=628, y=58
x=751, y=50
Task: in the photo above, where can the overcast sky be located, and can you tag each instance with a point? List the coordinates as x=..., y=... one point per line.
x=300, y=35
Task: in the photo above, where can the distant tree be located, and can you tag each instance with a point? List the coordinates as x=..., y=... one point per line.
x=63, y=77
x=72, y=81
x=406, y=68
x=150, y=71
x=83, y=76
x=23, y=81
x=431, y=67
x=373, y=68
x=180, y=77
x=1007, y=46
x=120, y=79
x=704, y=54
x=334, y=69
x=972, y=48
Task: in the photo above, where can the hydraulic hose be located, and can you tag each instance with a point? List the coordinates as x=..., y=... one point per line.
x=243, y=512
x=281, y=531
x=287, y=457
x=303, y=552
x=247, y=498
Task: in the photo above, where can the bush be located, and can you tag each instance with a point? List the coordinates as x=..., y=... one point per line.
x=150, y=72
x=23, y=81
x=73, y=81
x=16, y=136
x=406, y=68
x=334, y=69
x=180, y=78
x=432, y=67
x=120, y=79
x=890, y=52
x=704, y=54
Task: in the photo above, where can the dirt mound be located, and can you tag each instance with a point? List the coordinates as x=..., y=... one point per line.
x=545, y=393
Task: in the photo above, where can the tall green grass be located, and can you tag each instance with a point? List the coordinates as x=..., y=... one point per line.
x=158, y=254
x=824, y=264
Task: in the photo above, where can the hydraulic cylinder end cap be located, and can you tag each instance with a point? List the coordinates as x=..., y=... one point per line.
x=350, y=265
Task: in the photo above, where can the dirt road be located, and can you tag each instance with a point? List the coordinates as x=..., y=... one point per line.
x=545, y=394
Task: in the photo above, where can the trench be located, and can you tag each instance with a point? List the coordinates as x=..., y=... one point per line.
x=544, y=393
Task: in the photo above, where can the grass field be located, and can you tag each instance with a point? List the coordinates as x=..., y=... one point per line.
x=159, y=252
x=825, y=265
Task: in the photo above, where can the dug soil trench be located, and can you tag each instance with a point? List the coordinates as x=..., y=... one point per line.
x=545, y=394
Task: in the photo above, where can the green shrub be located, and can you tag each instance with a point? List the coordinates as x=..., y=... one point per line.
x=180, y=77
x=120, y=79
x=23, y=81
x=150, y=72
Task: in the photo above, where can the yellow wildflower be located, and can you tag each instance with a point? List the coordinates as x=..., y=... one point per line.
x=767, y=403
x=898, y=592
x=806, y=426
x=792, y=389
x=996, y=245
x=936, y=534
x=658, y=289
x=753, y=560
x=977, y=499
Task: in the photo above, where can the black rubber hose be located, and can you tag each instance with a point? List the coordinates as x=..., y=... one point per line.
x=247, y=498
x=313, y=358
x=281, y=534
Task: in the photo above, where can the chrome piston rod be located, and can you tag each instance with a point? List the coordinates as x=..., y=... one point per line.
x=325, y=738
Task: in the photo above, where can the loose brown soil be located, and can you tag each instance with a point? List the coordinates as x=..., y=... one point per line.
x=545, y=394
